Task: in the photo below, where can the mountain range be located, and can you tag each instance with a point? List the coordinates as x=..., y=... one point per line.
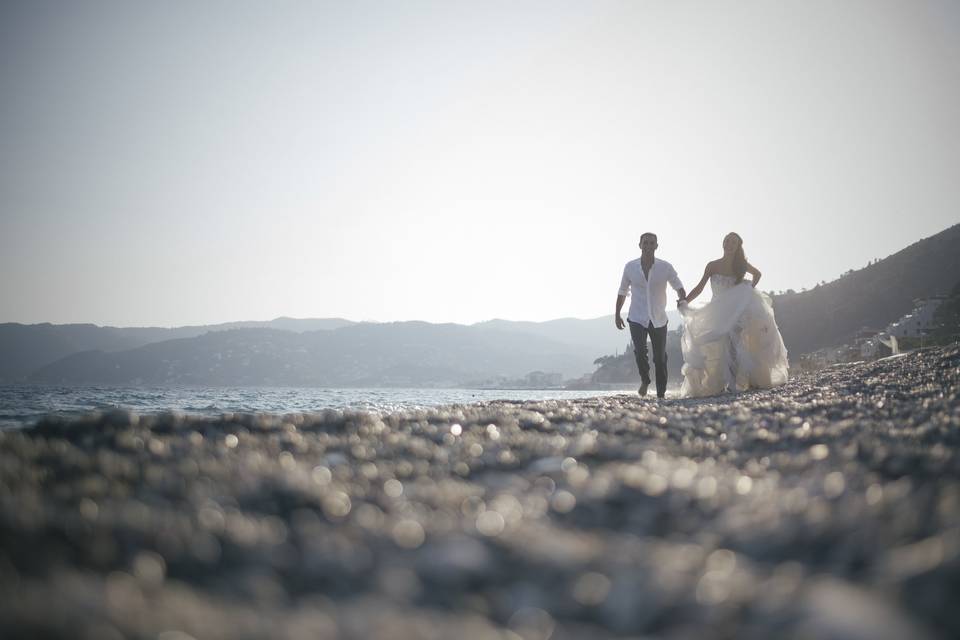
x=26, y=348
x=311, y=352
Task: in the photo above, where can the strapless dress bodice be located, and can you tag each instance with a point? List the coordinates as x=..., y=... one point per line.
x=720, y=282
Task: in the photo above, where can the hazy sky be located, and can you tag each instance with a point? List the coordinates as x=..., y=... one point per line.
x=169, y=163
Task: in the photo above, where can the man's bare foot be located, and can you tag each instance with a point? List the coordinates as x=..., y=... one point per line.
x=643, y=388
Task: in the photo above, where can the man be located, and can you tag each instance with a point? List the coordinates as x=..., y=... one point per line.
x=646, y=280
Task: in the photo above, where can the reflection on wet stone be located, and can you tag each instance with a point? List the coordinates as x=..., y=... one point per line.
x=829, y=507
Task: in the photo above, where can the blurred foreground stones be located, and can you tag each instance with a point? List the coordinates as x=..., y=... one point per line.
x=828, y=508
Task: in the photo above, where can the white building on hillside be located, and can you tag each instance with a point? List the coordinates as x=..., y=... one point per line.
x=878, y=346
x=917, y=322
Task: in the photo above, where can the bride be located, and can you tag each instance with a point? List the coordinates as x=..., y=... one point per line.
x=732, y=343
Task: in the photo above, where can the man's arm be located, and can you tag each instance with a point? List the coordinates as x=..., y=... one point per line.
x=621, y=296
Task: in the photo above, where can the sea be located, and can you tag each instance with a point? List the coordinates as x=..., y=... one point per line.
x=24, y=405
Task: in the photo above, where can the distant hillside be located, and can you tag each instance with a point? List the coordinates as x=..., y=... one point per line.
x=392, y=354
x=25, y=348
x=622, y=368
x=874, y=296
x=299, y=325
x=594, y=337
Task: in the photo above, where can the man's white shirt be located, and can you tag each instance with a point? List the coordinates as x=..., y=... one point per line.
x=648, y=294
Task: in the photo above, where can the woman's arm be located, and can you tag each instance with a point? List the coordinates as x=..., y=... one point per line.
x=697, y=290
x=753, y=271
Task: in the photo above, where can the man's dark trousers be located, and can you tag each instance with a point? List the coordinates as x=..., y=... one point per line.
x=658, y=338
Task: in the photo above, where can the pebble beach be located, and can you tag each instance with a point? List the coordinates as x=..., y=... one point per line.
x=826, y=508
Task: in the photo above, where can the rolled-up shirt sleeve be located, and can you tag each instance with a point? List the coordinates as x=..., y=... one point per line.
x=624, y=284
x=674, y=279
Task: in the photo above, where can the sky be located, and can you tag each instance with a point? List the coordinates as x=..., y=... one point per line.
x=183, y=162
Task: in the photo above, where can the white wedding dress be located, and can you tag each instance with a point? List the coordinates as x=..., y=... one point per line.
x=732, y=343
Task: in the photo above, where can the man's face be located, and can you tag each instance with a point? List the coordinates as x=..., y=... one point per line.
x=648, y=244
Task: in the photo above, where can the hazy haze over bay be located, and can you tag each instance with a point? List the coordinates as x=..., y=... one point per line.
x=190, y=163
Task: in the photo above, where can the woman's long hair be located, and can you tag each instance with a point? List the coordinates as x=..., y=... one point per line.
x=739, y=259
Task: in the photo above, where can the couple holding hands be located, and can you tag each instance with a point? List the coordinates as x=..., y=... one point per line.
x=730, y=344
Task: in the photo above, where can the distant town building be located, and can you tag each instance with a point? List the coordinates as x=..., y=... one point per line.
x=826, y=356
x=880, y=345
x=544, y=380
x=869, y=343
x=919, y=321
x=533, y=380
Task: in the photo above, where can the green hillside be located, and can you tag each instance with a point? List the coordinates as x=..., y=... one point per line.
x=874, y=296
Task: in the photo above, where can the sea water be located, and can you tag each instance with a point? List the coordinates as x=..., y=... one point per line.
x=22, y=405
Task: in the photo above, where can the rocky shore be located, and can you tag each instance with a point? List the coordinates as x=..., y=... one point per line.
x=827, y=508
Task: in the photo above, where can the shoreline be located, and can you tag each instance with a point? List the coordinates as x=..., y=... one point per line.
x=23, y=406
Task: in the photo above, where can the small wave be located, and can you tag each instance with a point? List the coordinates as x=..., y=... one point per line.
x=23, y=405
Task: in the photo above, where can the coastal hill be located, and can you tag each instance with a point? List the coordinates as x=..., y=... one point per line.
x=391, y=354
x=24, y=348
x=597, y=335
x=56, y=353
x=872, y=297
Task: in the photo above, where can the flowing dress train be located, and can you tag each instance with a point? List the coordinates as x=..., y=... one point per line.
x=732, y=343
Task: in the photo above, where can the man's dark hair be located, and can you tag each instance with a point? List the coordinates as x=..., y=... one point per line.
x=648, y=233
